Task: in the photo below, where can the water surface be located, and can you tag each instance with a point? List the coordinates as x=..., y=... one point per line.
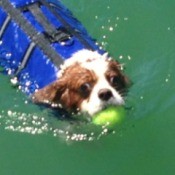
x=141, y=35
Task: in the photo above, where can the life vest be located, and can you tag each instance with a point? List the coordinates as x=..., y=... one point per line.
x=36, y=36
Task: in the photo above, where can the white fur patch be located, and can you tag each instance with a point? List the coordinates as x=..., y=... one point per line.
x=81, y=57
x=99, y=65
x=94, y=104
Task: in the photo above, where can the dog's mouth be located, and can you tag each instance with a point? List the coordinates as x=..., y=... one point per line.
x=104, y=106
x=100, y=109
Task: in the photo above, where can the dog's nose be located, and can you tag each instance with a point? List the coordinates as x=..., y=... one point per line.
x=105, y=94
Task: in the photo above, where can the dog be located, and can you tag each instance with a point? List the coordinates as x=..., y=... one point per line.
x=87, y=83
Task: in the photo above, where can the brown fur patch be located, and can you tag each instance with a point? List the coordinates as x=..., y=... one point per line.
x=67, y=90
x=76, y=84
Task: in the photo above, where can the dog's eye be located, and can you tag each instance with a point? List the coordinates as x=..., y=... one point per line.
x=85, y=87
x=115, y=81
x=85, y=90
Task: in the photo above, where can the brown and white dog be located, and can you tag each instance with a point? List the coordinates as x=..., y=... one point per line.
x=87, y=83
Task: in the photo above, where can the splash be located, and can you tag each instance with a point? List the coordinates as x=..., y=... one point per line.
x=110, y=25
x=38, y=125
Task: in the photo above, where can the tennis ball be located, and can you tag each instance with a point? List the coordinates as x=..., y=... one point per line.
x=110, y=116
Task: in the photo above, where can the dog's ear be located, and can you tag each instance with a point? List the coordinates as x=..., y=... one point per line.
x=50, y=94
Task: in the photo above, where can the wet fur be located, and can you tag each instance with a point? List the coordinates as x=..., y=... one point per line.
x=68, y=90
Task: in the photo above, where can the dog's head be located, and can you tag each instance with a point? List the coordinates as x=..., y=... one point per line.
x=88, y=82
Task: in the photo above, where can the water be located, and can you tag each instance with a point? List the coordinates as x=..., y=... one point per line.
x=140, y=34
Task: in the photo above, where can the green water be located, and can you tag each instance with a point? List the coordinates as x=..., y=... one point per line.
x=139, y=33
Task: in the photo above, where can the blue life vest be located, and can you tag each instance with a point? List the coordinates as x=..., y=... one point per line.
x=36, y=36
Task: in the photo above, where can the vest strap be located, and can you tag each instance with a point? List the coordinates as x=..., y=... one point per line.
x=37, y=40
x=42, y=40
x=4, y=25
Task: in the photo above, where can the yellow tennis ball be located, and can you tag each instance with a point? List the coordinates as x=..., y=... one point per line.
x=110, y=116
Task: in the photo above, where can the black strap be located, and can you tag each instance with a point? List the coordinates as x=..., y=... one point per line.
x=53, y=34
x=39, y=40
x=38, y=14
x=58, y=34
x=74, y=32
